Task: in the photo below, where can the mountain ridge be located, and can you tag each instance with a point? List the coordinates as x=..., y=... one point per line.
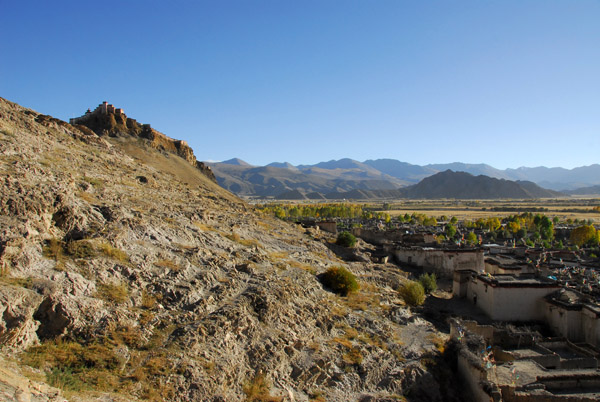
x=389, y=174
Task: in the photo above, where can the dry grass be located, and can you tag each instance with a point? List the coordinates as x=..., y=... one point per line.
x=353, y=357
x=258, y=390
x=114, y=253
x=54, y=249
x=438, y=341
x=80, y=249
x=73, y=366
x=173, y=266
x=205, y=228
x=264, y=225
x=116, y=293
x=373, y=340
x=98, y=183
x=277, y=255
x=244, y=242
x=363, y=301
x=26, y=283
x=317, y=396
x=148, y=300
x=342, y=341
x=4, y=269
x=305, y=267
x=126, y=334
x=87, y=197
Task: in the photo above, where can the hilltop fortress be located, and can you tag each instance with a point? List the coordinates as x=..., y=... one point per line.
x=107, y=120
x=104, y=108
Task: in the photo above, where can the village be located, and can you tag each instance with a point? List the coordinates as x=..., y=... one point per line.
x=527, y=318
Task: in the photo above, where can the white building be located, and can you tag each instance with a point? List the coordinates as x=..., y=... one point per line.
x=505, y=297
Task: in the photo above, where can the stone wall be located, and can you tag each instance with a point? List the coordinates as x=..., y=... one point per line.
x=576, y=323
x=441, y=262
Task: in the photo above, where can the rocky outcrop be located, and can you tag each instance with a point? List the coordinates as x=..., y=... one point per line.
x=118, y=124
x=17, y=325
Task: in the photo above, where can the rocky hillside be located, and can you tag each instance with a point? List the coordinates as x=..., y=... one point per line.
x=592, y=190
x=127, y=274
x=448, y=184
x=463, y=185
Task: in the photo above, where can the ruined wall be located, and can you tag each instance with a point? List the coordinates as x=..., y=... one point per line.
x=460, y=283
x=474, y=375
x=576, y=324
x=590, y=323
x=330, y=227
x=442, y=262
x=564, y=322
x=378, y=237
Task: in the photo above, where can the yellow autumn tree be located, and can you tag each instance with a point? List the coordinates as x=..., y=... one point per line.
x=583, y=235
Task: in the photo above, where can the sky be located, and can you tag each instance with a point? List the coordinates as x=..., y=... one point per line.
x=507, y=83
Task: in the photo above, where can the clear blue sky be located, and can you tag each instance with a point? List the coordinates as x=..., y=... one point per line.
x=508, y=83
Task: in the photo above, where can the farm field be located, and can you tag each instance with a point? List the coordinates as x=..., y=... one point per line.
x=576, y=208
x=563, y=208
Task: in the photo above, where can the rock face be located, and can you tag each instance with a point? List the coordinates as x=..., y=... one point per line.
x=127, y=274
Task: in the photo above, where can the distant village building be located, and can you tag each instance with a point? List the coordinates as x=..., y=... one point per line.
x=501, y=264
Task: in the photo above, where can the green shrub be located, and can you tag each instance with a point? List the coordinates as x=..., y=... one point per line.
x=413, y=293
x=65, y=379
x=429, y=282
x=340, y=280
x=346, y=239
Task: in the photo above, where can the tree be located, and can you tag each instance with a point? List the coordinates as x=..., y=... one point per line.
x=584, y=235
x=513, y=227
x=471, y=238
x=546, y=228
x=450, y=231
x=430, y=221
x=429, y=282
x=493, y=224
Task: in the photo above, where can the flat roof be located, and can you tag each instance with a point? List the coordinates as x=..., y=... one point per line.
x=514, y=281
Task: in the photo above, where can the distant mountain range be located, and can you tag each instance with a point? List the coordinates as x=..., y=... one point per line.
x=389, y=178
